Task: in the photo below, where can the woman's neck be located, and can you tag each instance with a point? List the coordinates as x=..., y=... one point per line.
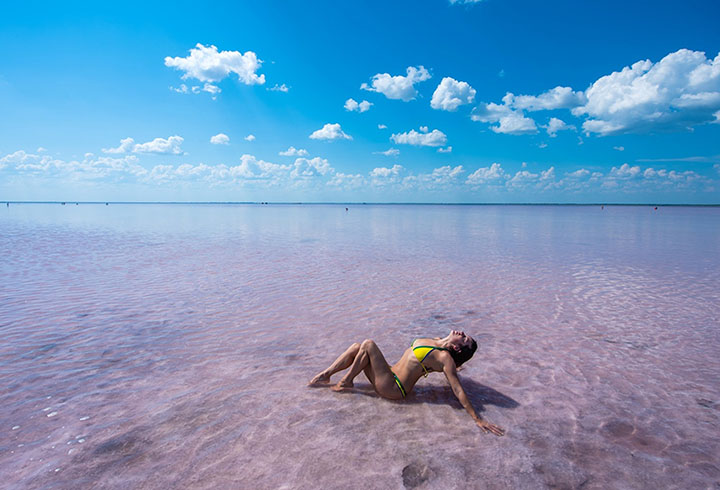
x=444, y=343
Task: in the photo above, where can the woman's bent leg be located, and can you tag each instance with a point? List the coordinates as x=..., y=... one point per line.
x=342, y=362
x=370, y=360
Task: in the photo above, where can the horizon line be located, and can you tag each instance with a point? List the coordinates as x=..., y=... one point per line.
x=365, y=203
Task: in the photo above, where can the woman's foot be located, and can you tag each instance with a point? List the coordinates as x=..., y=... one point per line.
x=342, y=386
x=320, y=379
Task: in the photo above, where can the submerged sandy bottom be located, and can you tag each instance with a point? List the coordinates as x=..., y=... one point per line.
x=169, y=346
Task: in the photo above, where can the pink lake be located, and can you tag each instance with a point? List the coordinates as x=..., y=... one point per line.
x=168, y=346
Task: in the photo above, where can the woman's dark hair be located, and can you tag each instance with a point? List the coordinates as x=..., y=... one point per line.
x=465, y=353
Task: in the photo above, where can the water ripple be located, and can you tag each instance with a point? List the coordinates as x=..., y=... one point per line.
x=168, y=346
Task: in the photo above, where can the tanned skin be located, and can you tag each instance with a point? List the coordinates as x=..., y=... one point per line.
x=366, y=357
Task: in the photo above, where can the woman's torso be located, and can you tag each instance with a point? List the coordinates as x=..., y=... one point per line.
x=409, y=370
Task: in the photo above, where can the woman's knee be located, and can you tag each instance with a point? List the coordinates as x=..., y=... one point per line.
x=367, y=343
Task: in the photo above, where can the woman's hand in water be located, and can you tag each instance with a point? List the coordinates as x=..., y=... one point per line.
x=488, y=427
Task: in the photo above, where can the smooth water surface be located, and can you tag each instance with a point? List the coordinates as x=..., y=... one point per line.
x=159, y=346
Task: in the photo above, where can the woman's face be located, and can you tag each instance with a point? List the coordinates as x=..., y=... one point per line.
x=459, y=338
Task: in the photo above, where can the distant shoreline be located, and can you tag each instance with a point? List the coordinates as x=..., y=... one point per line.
x=340, y=203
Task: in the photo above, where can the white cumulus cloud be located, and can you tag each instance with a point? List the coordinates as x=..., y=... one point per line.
x=250, y=137
x=317, y=171
x=493, y=173
x=451, y=94
x=252, y=168
x=220, y=139
x=522, y=178
x=353, y=105
x=555, y=125
x=557, y=98
x=126, y=145
x=625, y=171
x=445, y=150
x=294, y=152
x=89, y=168
x=20, y=156
x=679, y=91
x=439, y=178
x=169, y=146
x=330, y=132
x=432, y=138
x=306, y=168
x=515, y=123
x=386, y=172
x=446, y=174
x=383, y=176
x=398, y=87
x=512, y=121
x=207, y=64
x=350, y=181
x=578, y=174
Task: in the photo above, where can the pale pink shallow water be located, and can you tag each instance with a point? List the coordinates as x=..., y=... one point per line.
x=149, y=346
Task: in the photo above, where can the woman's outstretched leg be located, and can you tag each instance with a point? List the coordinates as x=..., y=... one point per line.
x=342, y=362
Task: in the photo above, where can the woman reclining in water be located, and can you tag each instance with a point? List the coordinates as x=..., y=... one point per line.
x=423, y=357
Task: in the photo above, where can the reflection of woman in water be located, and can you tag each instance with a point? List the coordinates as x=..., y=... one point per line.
x=423, y=357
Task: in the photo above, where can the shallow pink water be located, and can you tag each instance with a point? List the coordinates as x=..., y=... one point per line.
x=149, y=346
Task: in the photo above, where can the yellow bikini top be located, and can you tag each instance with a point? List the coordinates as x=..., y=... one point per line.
x=422, y=351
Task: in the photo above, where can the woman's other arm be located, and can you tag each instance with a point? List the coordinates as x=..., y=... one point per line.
x=451, y=374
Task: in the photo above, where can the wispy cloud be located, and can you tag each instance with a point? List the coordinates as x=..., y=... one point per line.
x=279, y=88
x=391, y=152
x=703, y=159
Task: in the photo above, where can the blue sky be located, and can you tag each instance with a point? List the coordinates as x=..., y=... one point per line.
x=435, y=101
